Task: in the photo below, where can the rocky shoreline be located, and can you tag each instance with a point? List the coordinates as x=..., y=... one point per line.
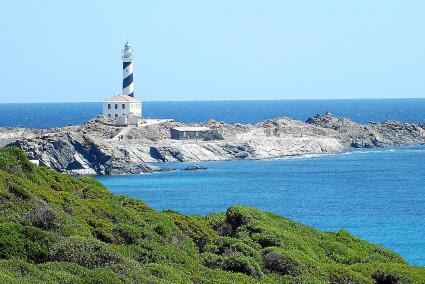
x=100, y=147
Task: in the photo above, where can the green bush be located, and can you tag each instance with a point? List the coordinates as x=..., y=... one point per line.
x=15, y=161
x=236, y=263
x=104, y=276
x=23, y=242
x=168, y=273
x=127, y=233
x=212, y=260
x=19, y=191
x=194, y=227
x=266, y=239
x=89, y=253
x=43, y=216
x=227, y=246
x=390, y=276
x=242, y=264
x=284, y=264
x=58, y=229
x=340, y=275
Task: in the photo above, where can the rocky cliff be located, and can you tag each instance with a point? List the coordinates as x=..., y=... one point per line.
x=100, y=147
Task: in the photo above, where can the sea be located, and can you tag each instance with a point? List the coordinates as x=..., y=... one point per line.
x=375, y=194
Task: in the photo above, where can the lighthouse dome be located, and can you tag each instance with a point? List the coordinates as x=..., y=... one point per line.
x=127, y=53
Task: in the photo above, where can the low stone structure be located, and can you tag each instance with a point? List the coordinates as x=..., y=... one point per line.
x=129, y=119
x=190, y=132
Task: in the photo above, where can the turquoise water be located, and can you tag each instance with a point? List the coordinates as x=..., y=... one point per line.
x=377, y=195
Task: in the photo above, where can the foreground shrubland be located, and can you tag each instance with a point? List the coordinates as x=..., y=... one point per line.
x=58, y=229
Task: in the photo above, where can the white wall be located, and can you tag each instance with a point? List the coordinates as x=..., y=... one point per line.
x=134, y=108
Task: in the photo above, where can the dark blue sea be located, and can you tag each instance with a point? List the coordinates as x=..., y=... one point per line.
x=378, y=195
x=61, y=114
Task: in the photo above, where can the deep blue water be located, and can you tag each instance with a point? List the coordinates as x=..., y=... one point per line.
x=61, y=114
x=376, y=195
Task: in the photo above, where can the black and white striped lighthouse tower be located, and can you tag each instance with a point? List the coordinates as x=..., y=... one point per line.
x=127, y=66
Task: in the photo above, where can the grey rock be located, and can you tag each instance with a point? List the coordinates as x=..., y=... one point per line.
x=194, y=168
x=99, y=147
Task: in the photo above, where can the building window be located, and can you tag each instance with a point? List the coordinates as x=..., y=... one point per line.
x=109, y=115
x=116, y=115
x=109, y=106
x=116, y=106
x=123, y=106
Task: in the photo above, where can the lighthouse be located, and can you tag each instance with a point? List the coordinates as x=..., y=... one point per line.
x=127, y=66
x=124, y=108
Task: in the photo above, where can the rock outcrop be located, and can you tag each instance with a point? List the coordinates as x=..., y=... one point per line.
x=100, y=147
x=387, y=133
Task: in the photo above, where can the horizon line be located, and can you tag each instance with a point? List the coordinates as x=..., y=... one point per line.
x=230, y=100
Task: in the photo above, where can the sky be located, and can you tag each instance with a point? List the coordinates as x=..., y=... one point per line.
x=70, y=51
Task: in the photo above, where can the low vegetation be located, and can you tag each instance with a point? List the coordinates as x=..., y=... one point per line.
x=55, y=228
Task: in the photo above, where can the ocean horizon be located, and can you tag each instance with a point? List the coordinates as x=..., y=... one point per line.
x=49, y=115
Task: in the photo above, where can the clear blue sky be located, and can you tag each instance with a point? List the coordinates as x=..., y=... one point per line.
x=55, y=51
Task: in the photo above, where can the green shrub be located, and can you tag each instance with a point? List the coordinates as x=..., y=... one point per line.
x=211, y=260
x=43, y=216
x=235, y=263
x=227, y=246
x=19, y=191
x=284, y=264
x=154, y=252
x=168, y=273
x=15, y=161
x=132, y=272
x=89, y=253
x=58, y=229
x=390, y=276
x=127, y=233
x=266, y=239
x=104, y=276
x=339, y=275
x=23, y=242
x=242, y=264
x=194, y=227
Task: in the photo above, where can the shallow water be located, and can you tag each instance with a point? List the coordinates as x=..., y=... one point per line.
x=378, y=195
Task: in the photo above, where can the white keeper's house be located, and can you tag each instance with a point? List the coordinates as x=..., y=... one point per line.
x=125, y=109
x=121, y=106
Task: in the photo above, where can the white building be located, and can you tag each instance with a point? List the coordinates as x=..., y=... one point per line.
x=125, y=109
x=122, y=106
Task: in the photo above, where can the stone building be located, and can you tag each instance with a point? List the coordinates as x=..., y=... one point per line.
x=190, y=132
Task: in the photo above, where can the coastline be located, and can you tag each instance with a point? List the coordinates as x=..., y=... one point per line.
x=74, y=228
x=98, y=147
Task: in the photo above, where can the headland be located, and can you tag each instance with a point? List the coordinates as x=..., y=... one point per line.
x=101, y=147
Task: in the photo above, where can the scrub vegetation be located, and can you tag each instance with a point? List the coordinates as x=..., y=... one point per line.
x=55, y=228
